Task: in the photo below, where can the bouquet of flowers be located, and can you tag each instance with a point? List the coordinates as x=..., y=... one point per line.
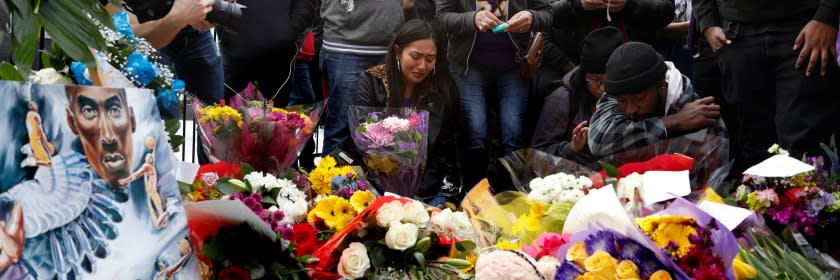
x=396, y=238
x=343, y=181
x=767, y=257
x=806, y=202
x=600, y=253
x=526, y=165
x=233, y=243
x=252, y=130
x=393, y=143
x=208, y=175
x=700, y=245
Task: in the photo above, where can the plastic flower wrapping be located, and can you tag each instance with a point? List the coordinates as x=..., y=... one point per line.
x=700, y=245
x=396, y=237
x=600, y=253
x=393, y=144
x=252, y=130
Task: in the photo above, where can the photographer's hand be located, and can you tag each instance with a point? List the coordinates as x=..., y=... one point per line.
x=190, y=12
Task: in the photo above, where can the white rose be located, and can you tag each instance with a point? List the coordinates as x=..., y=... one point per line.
x=389, y=213
x=49, y=76
x=440, y=221
x=401, y=236
x=258, y=181
x=460, y=225
x=627, y=186
x=414, y=212
x=354, y=261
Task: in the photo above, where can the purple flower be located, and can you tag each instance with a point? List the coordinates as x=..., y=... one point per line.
x=815, y=206
x=252, y=204
x=378, y=135
x=338, y=180
x=263, y=214
x=278, y=215
x=408, y=146
x=285, y=231
x=362, y=185
x=237, y=196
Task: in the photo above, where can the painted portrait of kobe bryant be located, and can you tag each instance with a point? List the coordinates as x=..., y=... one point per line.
x=87, y=187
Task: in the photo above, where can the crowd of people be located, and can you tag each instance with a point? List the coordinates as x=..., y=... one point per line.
x=613, y=75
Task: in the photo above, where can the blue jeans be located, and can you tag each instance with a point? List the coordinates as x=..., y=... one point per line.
x=342, y=72
x=194, y=57
x=511, y=103
x=302, y=92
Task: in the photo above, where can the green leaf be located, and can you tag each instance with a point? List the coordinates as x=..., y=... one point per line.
x=465, y=246
x=611, y=170
x=68, y=24
x=9, y=72
x=421, y=260
x=245, y=169
x=269, y=200
x=184, y=188
x=23, y=50
x=228, y=188
x=423, y=245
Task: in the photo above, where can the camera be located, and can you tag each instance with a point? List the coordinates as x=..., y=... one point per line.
x=223, y=13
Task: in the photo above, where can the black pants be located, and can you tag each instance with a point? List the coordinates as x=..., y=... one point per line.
x=773, y=101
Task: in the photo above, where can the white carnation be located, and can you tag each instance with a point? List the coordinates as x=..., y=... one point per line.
x=293, y=203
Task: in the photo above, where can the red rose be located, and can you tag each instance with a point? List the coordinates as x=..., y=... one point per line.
x=234, y=273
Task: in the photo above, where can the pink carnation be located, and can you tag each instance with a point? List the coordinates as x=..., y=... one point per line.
x=395, y=124
x=378, y=135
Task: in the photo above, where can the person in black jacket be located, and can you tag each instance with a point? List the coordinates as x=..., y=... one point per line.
x=638, y=20
x=409, y=78
x=562, y=128
x=777, y=65
x=264, y=46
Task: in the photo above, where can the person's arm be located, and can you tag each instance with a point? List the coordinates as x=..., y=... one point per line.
x=159, y=33
x=452, y=20
x=301, y=16
x=706, y=12
x=366, y=91
x=677, y=30
x=611, y=131
x=551, y=134
x=543, y=15
x=817, y=39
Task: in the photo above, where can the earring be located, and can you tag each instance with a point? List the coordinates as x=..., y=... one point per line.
x=434, y=70
x=398, y=65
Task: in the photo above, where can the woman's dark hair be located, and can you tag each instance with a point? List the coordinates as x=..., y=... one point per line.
x=413, y=30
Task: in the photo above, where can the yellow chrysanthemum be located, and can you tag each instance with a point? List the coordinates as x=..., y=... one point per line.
x=220, y=113
x=669, y=228
x=326, y=162
x=279, y=110
x=361, y=199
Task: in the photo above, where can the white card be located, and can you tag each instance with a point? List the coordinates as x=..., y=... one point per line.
x=779, y=166
x=663, y=185
x=729, y=216
x=186, y=172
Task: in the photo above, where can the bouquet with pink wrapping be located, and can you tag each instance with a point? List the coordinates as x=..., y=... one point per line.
x=252, y=130
x=393, y=144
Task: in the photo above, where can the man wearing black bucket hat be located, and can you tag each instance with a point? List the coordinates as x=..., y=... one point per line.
x=647, y=99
